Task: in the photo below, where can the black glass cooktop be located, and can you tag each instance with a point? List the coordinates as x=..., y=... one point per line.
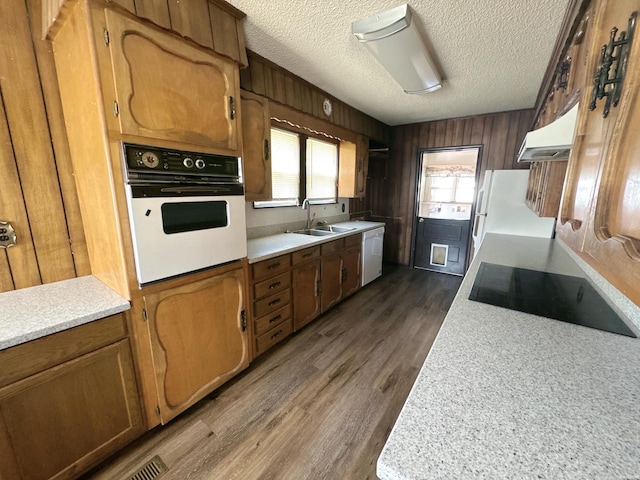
x=561, y=297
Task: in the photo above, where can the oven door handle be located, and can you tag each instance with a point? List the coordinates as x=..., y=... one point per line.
x=195, y=189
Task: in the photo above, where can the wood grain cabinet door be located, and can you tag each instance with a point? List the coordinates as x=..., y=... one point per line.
x=62, y=421
x=601, y=198
x=169, y=89
x=305, y=280
x=256, y=147
x=198, y=339
x=351, y=270
x=614, y=238
x=331, y=292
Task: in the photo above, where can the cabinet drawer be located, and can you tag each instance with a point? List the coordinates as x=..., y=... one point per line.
x=332, y=247
x=272, y=320
x=270, y=267
x=304, y=255
x=269, y=304
x=271, y=285
x=273, y=336
x=353, y=240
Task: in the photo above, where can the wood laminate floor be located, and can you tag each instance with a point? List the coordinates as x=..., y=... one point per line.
x=318, y=406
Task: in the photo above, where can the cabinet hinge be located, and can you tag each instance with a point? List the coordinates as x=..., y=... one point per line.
x=232, y=108
x=144, y=314
x=157, y=409
x=243, y=320
x=105, y=36
x=116, y=109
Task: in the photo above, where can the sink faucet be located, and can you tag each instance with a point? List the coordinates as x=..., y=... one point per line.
x=306, y=206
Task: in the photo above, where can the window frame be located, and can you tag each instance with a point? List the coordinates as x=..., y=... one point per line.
x=302, y=190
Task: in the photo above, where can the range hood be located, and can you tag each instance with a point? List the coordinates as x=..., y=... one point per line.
x=551, y=142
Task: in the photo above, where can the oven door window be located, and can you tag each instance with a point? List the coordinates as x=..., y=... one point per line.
x=190, y=216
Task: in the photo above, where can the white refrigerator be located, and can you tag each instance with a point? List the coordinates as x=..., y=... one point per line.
x=501, y=208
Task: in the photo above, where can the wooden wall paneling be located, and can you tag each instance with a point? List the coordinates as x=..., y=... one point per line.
x=190, y=18
x=268, y=81
x=279, y=87
x=510, y=160
x=18, y=264
x=257, y=77
x=499, y=135
x=64, y=166
x=440, y=134
x=30, y=137
x=224, y=31
x=477, y=130
x=409, y=191
x=157, y=12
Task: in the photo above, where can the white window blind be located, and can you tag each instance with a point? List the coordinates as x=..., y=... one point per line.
x=322, y=170
x=285, y=165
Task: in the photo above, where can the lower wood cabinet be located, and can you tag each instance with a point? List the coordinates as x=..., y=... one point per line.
x=199, y=340
x=306, y=292
x=67, y=401
x=351, y=265
x=271, y=302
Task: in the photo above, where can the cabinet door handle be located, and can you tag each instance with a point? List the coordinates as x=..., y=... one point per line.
x=266, y=150
x=273, y=265
x=274, y=285
x=344, y=274
x=277, y=334
x=275, y=319
x=275, y=302
x=305, y=255
x=232, y=108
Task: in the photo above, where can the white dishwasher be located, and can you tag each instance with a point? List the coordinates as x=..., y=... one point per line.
x=372, y=254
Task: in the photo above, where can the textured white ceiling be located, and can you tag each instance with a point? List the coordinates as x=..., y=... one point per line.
x=492, y=53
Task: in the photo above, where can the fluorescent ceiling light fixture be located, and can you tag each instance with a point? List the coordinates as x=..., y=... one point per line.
x=393, y=39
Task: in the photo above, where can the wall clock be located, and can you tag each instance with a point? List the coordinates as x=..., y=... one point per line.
x=327, y=108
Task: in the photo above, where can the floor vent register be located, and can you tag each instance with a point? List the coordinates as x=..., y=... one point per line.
x=151, y=470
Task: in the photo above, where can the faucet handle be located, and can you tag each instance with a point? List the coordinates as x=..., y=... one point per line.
x=322, y=223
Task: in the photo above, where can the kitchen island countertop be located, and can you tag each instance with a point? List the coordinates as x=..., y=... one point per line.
x=35, y=312
x=264, y=248
x=504, y=394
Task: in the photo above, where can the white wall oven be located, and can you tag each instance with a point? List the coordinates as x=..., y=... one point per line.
x=186, y=210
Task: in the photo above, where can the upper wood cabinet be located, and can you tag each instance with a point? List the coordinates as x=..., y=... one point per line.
x=256, y=147
x=601, y=198
x=570, y=78
x=199, y=340
x=354, y=161
x=168, y=89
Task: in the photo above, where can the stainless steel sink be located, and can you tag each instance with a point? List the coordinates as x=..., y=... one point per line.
x=313, y=232
x=334, y=228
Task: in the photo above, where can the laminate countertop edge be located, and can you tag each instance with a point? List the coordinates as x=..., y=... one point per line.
x=504, y=394
x=35, y=312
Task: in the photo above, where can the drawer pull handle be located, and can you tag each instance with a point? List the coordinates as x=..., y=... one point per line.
x=273, y=265
x=274, y=285
x=277, y=334
x=274, y=319
x=307, y=255
x=275, y=302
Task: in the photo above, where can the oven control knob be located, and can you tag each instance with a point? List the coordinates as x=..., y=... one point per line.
x=199, y=163
x=150, y=160
x=188, y=162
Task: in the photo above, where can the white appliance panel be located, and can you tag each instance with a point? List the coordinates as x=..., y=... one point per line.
x=372, y=242
x=502, y=208
x=159, y=255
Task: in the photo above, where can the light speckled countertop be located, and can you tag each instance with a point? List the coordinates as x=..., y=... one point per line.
x=35, y=312
x=273, y=245
x=505, y=395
